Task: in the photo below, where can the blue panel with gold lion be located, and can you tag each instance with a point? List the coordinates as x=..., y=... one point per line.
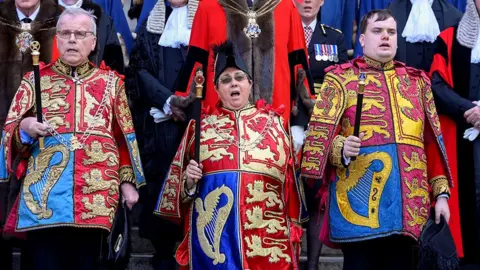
x=364, y=201
x=48, y=183
x=215, y=220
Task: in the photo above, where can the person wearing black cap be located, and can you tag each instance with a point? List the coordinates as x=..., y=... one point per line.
x=242, y=205
x=270, y=39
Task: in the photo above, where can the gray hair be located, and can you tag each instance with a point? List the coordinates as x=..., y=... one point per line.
x=78, y=12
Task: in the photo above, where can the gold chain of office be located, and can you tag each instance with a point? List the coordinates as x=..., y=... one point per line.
x=252, y=30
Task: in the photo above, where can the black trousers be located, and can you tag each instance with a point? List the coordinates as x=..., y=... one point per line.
x=63, y=248
x=5, y=254
x=389, y=253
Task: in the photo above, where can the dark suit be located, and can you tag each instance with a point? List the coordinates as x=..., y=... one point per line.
x=323, y=34
x=108, y=47
x=420, y=55
x=152, y=73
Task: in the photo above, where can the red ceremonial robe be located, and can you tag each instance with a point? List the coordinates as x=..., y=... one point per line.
x=248, y=207
x=452, y=64
x=272, y=58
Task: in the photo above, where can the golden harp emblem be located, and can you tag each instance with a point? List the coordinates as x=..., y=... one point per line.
x=41, y=177
x=365, y=181
x=211, y=220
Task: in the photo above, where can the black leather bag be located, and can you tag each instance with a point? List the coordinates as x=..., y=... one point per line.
x=119, y=238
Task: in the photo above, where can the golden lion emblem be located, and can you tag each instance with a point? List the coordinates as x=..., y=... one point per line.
x=257, y=191
x=417, y=218
x=415, y=163
x=95, y=154
x=275, y=252
x=168, y=190
x=95, y=182
x=256, y=220
x=167, y=205
x=213, y=146
x=416, y=190
x=97, y=208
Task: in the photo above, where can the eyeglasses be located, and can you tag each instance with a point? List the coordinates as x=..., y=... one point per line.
x=66, y=34
x=226, y=79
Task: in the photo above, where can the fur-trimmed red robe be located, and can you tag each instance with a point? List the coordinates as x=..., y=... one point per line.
x=272, y=58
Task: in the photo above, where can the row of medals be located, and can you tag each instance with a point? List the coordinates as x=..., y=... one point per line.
x=324, y=57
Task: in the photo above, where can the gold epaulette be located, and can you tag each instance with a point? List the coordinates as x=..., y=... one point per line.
x=335, y=29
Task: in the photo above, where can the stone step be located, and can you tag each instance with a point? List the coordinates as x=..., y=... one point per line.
x=143, y=246
x=143, y=262
x=142, y=254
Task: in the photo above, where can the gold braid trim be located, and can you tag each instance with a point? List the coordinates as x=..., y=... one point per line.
x=439, y=185
x=127, y=175
x=336, y=152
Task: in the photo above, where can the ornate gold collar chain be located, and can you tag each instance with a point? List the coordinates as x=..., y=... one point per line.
x=75, y=144
x=252, y=30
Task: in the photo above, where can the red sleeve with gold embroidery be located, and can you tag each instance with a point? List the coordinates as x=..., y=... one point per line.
x=295, y=201
x=11, y=145
x=324, y=127
x=130, y=164
x=170, y=202
x=436, y=171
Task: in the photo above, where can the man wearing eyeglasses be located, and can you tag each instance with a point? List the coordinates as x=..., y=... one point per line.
x=108, y=48
x=71, y=188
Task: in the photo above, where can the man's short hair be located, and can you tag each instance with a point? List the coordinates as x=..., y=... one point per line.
x=382, y=15
x=77, y=12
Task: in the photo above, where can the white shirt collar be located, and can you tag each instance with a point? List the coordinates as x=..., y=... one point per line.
x=21, y=16
x=78, y=4
x=312, y=24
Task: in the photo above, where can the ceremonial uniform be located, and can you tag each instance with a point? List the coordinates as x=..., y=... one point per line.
x=272, y=45
x=327, y=47
x=247, y=211
x=455, y=86
x=385, y=191
x=90, y=150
